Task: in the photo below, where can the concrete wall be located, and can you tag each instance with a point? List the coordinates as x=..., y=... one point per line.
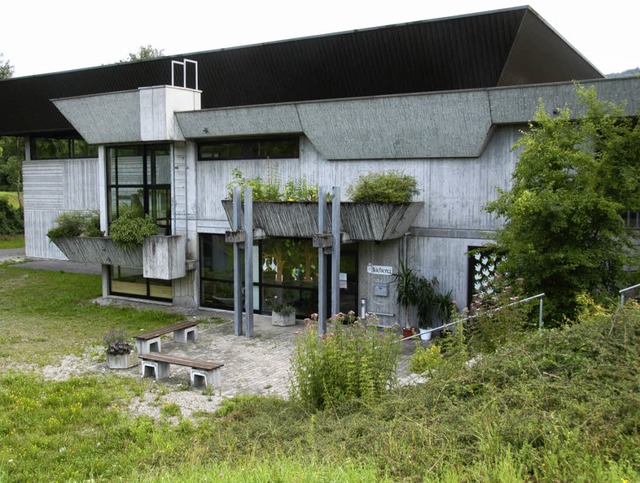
x=52, y=187
x=454, y=191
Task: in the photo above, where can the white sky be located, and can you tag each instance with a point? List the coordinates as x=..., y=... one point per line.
x=40, y=36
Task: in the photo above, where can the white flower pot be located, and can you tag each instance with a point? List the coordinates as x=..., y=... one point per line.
x=425, y=334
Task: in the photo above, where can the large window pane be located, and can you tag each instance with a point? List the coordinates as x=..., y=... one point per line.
x=125, y=199
x=139, y=181
x=286, y=269
x=160, y=208
x=159, y=165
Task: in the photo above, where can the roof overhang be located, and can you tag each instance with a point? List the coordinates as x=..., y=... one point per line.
x=416, y=126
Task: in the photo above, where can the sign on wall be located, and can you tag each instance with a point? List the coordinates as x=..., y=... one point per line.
x=379, y=269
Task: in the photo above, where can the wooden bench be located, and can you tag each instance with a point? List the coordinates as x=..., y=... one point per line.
x=203, y=373
x=150, y=341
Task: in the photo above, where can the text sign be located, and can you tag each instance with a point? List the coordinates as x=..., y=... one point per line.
x=379, y=270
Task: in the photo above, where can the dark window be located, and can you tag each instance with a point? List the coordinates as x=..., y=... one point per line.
x=131, y=282
x=139, y=180
x=287, y=147
x=632, y=219
x=285, y=268
x=61, y=148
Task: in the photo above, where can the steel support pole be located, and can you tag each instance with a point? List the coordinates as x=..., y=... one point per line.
x=237, y=265
x=335, y=251
x=540, y=315
x=248, y=260
x=322, y=265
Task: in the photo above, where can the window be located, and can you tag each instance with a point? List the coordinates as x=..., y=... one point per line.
x=281, y=147
x=61, y=148
x=139, y=181
x=284, y=268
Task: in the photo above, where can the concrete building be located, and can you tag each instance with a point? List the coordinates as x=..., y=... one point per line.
x=442, y=100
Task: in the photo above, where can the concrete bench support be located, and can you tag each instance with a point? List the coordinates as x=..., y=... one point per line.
x=185, y=335
x=159, y=370
x=203, y=373
x=202, y=377
x=183, y=332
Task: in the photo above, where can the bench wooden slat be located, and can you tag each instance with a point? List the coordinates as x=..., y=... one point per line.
x=181, y=361
x=166, y=330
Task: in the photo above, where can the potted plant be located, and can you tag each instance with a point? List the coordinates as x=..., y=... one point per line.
x=129, y=229
x=282, y=314
x=78, y=236
x=416, y=291
x=381, y=206
x=120, y=353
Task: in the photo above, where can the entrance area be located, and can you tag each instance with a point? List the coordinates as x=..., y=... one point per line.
x=285, y=270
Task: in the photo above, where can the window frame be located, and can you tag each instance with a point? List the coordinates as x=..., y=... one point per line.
x=90, y=151
x=249, y=146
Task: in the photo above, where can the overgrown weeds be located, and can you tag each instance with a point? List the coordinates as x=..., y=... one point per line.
x=353, y=360
x=554, y=405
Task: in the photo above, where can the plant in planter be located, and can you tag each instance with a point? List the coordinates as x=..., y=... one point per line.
x=120, y=353
x=129, y=229
x=294, y=189
x=416, y=291
x=384, y=187
x=76, y=223
x=282, y=314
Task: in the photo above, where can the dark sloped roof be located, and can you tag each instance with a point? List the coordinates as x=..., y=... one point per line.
x=505, y=47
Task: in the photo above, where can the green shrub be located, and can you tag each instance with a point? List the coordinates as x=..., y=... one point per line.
x=76, y=223
x=426, y=359
x=295, y=189
x=384, y=187
x=130, y=230
x=495, y=319
x=352, y=361
x=10, y=218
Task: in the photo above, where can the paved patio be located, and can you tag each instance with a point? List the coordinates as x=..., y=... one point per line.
x=252, y=365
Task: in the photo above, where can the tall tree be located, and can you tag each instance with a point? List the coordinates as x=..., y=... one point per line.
x=563, y=231
x=143, y=53
x=6, y=69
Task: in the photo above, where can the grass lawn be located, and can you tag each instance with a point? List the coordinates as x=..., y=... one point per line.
x=559, y=405
x=11, y=241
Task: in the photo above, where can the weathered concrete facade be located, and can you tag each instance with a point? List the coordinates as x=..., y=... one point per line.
x=457, y=145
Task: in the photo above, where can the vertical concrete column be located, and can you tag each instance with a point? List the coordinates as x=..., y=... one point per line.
x=237, y=266
x=322, y=266
x=335, y=251
x=248, y=260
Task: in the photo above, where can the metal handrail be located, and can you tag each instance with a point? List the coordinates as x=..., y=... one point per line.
x=624, y=290
x=528, y=299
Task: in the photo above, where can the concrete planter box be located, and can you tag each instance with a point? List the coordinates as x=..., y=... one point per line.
x=378, y=221
x=360, y=221
x=122, y=361
x=161, y=257
x=164, y=257
x=99, y=250
x=283, y=320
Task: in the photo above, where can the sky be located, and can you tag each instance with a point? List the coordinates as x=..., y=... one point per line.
x=42, y=36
